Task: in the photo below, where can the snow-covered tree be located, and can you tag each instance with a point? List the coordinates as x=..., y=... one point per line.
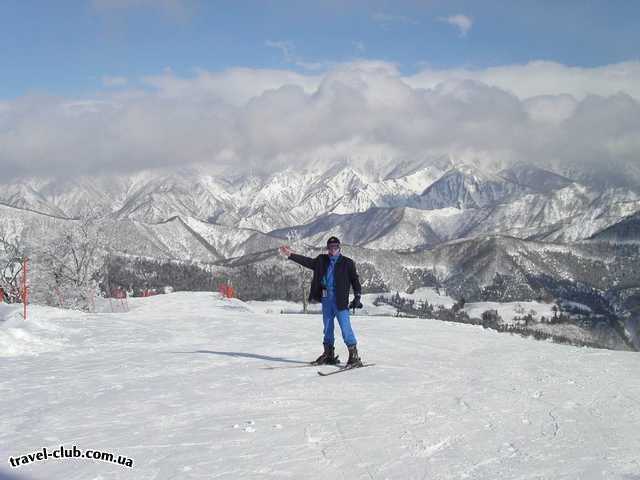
x=68, y=266
x=12, y=254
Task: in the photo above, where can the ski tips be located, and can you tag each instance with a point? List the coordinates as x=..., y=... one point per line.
x=345, y=369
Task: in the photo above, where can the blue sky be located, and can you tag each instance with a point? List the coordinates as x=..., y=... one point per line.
x=68, y=47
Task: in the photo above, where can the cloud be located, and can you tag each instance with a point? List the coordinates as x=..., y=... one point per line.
x=364, y=111
x=462, y=22
x=551, y=109
x=543, y=78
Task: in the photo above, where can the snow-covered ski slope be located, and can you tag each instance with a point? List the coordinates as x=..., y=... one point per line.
x=178, y=384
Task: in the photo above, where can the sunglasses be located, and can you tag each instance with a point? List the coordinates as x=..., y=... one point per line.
x=333, y=247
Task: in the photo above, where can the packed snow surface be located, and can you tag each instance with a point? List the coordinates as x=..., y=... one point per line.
x=179, y=385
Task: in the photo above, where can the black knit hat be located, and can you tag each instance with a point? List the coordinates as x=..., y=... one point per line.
x=333, y=240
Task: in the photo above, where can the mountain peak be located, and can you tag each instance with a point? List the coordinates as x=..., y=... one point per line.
x=467, y=186
x=536, y=178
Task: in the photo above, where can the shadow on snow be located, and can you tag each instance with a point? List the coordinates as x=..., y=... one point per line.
x=249, y=355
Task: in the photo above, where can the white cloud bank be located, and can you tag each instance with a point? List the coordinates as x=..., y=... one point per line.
x=584, y=120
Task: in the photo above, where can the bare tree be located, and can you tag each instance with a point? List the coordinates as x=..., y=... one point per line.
x=295, y=241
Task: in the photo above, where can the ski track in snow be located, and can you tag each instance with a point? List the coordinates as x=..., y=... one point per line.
x=178, y=384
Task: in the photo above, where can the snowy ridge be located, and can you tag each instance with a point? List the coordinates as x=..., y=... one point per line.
x=411, y=207
x=626, y=230
x=566, y=215
x=24, y=196
x=468, y=187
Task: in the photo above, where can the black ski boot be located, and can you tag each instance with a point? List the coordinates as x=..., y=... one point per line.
x=354, y=358
x=328, y=357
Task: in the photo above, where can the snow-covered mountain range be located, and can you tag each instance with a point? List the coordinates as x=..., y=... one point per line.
x=409, y=207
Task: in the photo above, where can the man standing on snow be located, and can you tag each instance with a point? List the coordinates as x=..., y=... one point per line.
x=333, y=275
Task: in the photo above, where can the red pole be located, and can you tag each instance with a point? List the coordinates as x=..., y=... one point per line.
x=25, y=288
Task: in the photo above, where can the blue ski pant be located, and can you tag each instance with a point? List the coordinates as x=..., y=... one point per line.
x=329, y=313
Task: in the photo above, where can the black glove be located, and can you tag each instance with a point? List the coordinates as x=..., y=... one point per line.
x=355, y=303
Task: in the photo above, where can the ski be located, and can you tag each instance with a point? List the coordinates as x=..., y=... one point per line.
x=304, y=365
x=280, y=367
x=345, y=369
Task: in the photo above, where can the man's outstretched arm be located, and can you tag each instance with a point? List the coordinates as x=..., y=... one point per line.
x=307, y=262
